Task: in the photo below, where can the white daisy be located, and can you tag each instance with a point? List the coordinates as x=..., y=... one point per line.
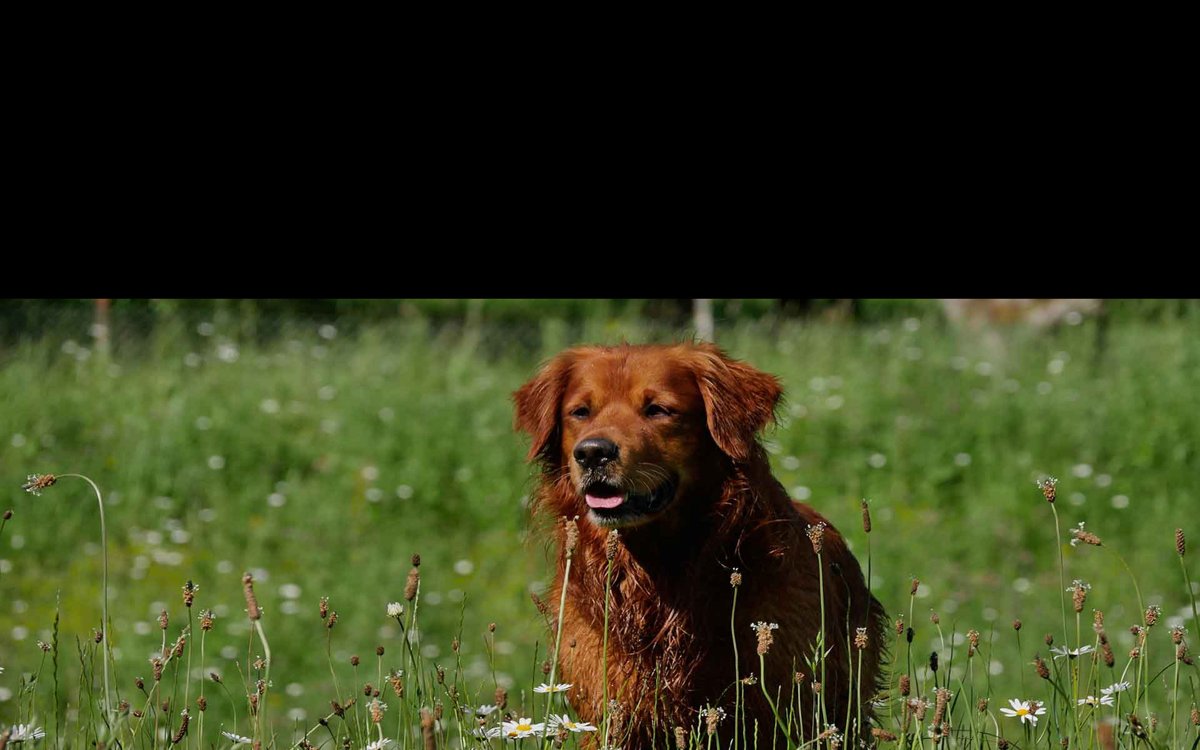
x=1061, y=651
x=26, y=733
x=481, y=711
x=565, y=722
x=1116, y=687
x=515, y=730
x=1091, y=700
x=378, y=744
x=237, y=739
x=544, y=688
x=1024, y=710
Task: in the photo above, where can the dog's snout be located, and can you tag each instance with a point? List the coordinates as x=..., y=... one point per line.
x=595, y=452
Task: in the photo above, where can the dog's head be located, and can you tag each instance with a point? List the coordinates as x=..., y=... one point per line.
x=636, y=428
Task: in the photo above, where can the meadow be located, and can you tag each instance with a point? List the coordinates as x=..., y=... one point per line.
x=320, y=458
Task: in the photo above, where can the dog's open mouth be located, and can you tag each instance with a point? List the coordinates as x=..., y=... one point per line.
x=612, y=505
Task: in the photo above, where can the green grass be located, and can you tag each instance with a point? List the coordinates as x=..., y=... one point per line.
x=320, y=464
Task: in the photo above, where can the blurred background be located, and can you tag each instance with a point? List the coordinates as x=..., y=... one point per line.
x=319, y=443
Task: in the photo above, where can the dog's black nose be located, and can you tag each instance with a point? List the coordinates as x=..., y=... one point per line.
x=595, y=452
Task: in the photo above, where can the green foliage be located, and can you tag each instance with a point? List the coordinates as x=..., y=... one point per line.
x=320, y=459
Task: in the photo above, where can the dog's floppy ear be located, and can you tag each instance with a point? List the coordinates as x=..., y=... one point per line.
x=739, y=399
x=538, y=404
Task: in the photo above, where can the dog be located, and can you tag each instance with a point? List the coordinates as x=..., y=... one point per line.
x=659, y=444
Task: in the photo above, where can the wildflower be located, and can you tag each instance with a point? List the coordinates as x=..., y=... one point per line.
x=866, y=517
x=713, y=717
x=942, y=697
x=860, y=638
x=610, y=545
x=45, y=647
x=183, y=727
x=905, y=684
x=572, y=531
x=1177, y=634
x=206, y=619
x=565, y=722
x=1087, y=537
x=916, y=583
x=1093, y=701
x=410, y=585
x=1180, y=542
x=1016, y=625
x=1024, y=710
x=324, y=607
x=1062, y=651
x=378, y=744
x=237, y=739
x=395, y=609
x=515, y=730
x=481, y=711
x=831, y=733
x=34, y=485
x=1080, y=589
x=377, y=708
x=252, y=608
x=189, y=593
x=1040, y=666
x=816, y=535
x=544, y=688
x=918, y=706
x=1047, y=486
x=765, y=638
x=26, y=732
x=735, y=578
x=883, y=735
x=1153, y=612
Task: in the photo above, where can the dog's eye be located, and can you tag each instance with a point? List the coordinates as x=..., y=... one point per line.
x=656, y=410
x=581, y=412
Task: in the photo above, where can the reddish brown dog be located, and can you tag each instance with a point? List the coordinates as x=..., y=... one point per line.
x=659, y=442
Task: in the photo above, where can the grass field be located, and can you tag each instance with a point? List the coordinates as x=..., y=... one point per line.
x=320, y=461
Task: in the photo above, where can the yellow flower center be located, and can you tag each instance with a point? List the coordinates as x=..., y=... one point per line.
x=1022, y=711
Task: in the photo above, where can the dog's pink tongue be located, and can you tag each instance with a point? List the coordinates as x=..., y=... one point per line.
x=604, y=502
